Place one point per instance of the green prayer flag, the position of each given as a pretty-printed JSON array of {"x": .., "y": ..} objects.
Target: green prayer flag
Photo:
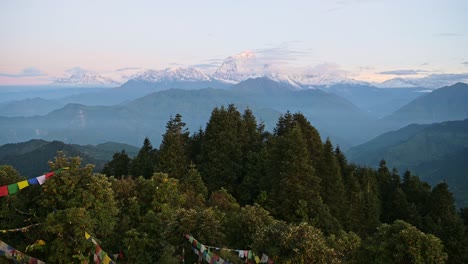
[{"x": 13, "y": 188}]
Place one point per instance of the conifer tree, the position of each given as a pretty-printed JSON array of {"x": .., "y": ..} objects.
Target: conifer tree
[
  {"x": 143, "y": 163},
  {"x": 118, "y": 166},
  {"x": 222, "y": 156},
  {"x": 332, "y": 187},
  {"x": 173, "y": 156}
]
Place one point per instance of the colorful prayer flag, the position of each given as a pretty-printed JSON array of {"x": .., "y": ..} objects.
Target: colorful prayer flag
[
  {"x": 23, "y": 184},
  {"x": 49, "y": 174},
  {"x": 13, "y": 188},
  {"x": 41, "y": 179},
  {"x": 33, "y": 181},
  {"x": 3, "y": 191}
]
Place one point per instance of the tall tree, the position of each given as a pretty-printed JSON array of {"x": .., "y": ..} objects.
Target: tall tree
[
  {"x": 295, "y": 188},
  {"x": 222, "y": 154},
  {"x": 75, "y": 201},
  {"x": 143, "y": 163},
  {"x": 443, "y": 221},
  {"x": 118, "y": 166},
  {"x": 173, "y": 156},
  {"x": 332, "y": 187}
]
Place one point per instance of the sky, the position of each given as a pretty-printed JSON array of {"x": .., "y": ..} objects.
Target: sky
[{"x": 370, "y": 40}]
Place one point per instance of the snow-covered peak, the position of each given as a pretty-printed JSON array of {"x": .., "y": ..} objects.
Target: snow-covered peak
[
  {"x": 397, "y": 83},
  {"x": 172, "y": 74},
  {"x": 86, "y": 78},
  {"x": 432, "y": 81},
  {"x": 240, "y": 67}
]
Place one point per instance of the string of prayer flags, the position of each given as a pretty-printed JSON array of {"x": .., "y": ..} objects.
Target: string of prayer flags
[
  {"x": 22, "y": 229},
  {"x": 17, "y": 256},
  {"x": 100, "y": 256},
  {"x": 16, "y": 187},
  {"x": 203, "y": 251}
]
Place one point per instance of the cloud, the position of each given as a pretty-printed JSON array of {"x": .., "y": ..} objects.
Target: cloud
[
  {"x": 447, "y": 34},
  {"x": 27, "y": 72},
  {"x": 280, "y": 54},
  {"x": 465, "y": 63},
  {"x": 128, "y": 68},
  {"x": 402, "y": 72},
  {"x": 76, "y": 70}
]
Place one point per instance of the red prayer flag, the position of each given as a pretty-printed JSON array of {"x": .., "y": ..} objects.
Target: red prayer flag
[
  {"x": 50, "y": 174},
  {"x": 4, "y": 190}
]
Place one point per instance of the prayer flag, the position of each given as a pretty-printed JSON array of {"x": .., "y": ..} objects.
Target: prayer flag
[
  {"x": 87, "y": 236},
  {"x": 3, "y": 191},
  {"x": 33, "y": 181},
  {"x": 41, "y": 179},
  {"x": 264, "y": 258},
  {"x": 106, "y": 260},
  {"x": 23, "y": 184},
  {"x": 50, "y": 174},
  {"x": 13, "y": 188},
  {"x": 257, "y": 259}
]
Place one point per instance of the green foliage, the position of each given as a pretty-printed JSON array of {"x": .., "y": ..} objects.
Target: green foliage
[
  {"x": 172, "y": 156},
  {"x": 118, "y": 166},
  {"x": 143, "y": 163},
  {"x": 312, "y": 205},
  {"x": 401, "y": 242}
]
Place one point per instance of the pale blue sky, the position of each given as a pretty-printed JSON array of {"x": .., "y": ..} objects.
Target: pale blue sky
[{"x": 42, "y": 39}]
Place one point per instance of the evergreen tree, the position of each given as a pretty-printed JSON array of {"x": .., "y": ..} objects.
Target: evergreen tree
[
  {"x": 222, "y": 153},
  {"x": 370, "y": 214},
  {"x": 173, "y": 156},
  {"x": 443, "y": 221},
  {"x": 118, "y": 166},
  {"x": 143, "y": 163},
  {"x": 332, "y": 187},
  {"x": 295, "y": 193}
]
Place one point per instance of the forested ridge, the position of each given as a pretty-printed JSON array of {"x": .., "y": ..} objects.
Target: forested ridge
[{"x": 286, "y": 194}]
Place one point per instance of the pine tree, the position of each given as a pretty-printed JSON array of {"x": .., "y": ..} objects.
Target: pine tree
[
  {"x": 295, "y": 193},
  {"x": 332, "y": 187},
  {"x": 118, "y": 166},
  {"x": 222, "y": 156},
  {"x": 443, "y": 221},
  {"x": 173, "y": 156},
  {"x": 143, "y": 163}
]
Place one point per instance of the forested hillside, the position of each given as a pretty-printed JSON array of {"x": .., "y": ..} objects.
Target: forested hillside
[{"x": 233, "y": 192}]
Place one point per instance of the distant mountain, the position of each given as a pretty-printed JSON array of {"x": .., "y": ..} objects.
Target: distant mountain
[
  {"x": 433, "y": 151},
  {"x": 444, "y": 104},
  {"x": 30, "y": 158},
  {"x": 85, "y": 78},
  {"x": 29, "y": 107},
  {"x": 432, "y": 81},
  {"x": 147, "y": 116},
  {"x": 377, "y": 102}
]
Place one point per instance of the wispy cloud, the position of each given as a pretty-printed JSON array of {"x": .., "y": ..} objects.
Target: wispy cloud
[
  {"x": 465, "y": 63},
  {"x": 128, "y": 68},
  {"x": 402, "y": 72},
  {"x": 447, "y": 34},
  {"x": 76, "y": 70},
  {"x": 27, "y": 72}
]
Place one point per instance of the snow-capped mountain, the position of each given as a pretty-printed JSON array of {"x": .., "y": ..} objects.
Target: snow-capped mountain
[
  {"x": 86, "y": 78},
  {"x": 432, "y": 81},
  {"x": 172, "y": 74},
  {"x": 240, "y": 67}
]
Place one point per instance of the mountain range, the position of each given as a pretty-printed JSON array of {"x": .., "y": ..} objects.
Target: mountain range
[
  {"x": 243, "y": 66},
  {"x": 107, "y": 116},
  {"x": 30, "y": 158},
  {"x": 436, "y": 152}
]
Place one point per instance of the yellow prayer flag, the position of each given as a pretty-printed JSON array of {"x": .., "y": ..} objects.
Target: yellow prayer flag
[
  {"x": 23, "y": 184},
  {"x": 87, "y": 236},
  {"x": 106, "y": 260},
  {"x": 257, "y": 259}
]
